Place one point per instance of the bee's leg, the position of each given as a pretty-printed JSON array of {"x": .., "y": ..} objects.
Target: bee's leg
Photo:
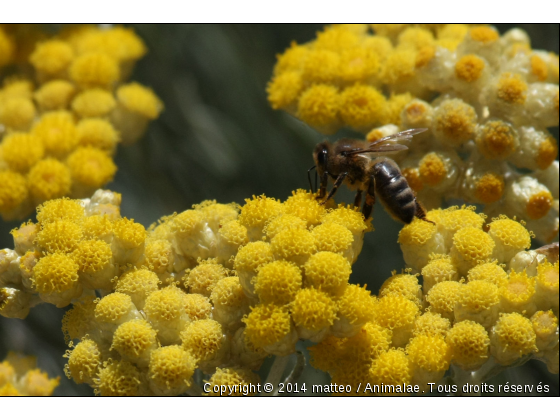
[
  {"x": 421, "y": 212},
  {"x": 337, "y": 183},
  {"x": 358, "y": 199},
  {"x": 370, "y": 198},
  {"x": 323, "y": 185},
  {"x": 309, "y": 178}
]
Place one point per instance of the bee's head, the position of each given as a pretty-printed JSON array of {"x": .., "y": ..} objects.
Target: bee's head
[{"x": 321, "y": 156}]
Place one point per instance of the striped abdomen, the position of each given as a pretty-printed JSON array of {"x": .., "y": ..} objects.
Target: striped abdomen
[{"x": 393, "y": 190}]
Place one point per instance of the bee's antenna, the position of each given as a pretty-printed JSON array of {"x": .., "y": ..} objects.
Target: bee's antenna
[{"x": 309, "y": 178}]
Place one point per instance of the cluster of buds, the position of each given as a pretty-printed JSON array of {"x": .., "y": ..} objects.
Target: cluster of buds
[
  {"x": 20, "y": 377},
  {"x": 59, "y": 129},
  {"x": 495, "y": 98},
  {"x": 485, "y": 303},
  {"x": 210, "y": 291}
]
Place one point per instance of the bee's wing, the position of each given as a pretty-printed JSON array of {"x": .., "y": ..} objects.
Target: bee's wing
[{"x": 389, "y": 144}]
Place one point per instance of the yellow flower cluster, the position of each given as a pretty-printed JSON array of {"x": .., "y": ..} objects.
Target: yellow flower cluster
[
  {"x": 495, "y": 99},
  {"x": 19, "y": 376},
  {"x": 59, "y": 131},
  {"x": 218, "y": 286}
]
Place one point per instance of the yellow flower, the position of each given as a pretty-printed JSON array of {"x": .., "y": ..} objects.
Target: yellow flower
[
  {"x": 328, "y": 272},
  {"x": 278, "y": 282},
  {"x": 94, "y": 70},
  {"x": 58, "y": 133},
  {"x": 93, "y": 103},
  {"x": 469, "y": 344},
  {"x": 318, "y": 106},
  {"x": 512, "y": 337},
  {"x": 171, "y": 370},
  {"x": 237, "y": 381},
  {"x": 84, "y": 362},
  {"x": 312, "y": 311},
  {"x": 361, "y": 106},
  {"x": 49, "y": 179},
  {"x": 52, "y": 58},
  {"x": 55, "y": 95},
  {"x": 118, "y": 379}
]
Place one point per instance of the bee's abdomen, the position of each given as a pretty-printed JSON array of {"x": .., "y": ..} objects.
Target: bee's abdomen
[{"x": 393, "y": 190}]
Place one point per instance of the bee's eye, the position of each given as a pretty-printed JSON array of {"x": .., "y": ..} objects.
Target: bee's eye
[{"x": 322, "y": 157}]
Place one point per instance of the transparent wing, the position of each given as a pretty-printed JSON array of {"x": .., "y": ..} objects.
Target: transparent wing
[{"x": 389, "y": 144}]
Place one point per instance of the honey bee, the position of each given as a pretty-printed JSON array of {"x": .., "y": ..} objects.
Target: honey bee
[{"x": 357, "y": 164}]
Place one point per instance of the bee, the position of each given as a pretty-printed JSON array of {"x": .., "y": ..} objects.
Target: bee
[{"x": 358, "y": 164}]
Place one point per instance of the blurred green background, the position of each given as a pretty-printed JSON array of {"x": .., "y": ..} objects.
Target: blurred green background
[{"x": 219, "y": 139}]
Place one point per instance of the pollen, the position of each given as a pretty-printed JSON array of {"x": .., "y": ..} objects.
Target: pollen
[
  {"x": 253, "y": 255},
  {"x": 134, "y": 338},
  {"x": 60, "y": 209},
  {"x": 516, "y": 295},
  {"x": 283, "y": 222},
  {"x": 113, "y": 307},
  {"x": 92, "y": 256},
  {"x": 348, "y": 217},
  {"x": 469, "y": 344},
  {"x": 484, "y": 34},
  {"x": 295, "y": 245},
  {"x": 440, "y": 268},
  {"x": 405, "y": 285},
  {"x": 455, "y": 121},
  {"x": 469, "y": 68},
  {"x": 432, "y": 169},
  {"x": 58, "y": 133},
  {"x": 321, "y": 66},
  {"x": 356, "y": 305},
  {"x": 431, "y": 323},
  {"x": 412, "y": 176},
  {"x": 84, "y": 362},
  {"x": 513, "y": 334},
  {"x": 489, "y": 272},
  {"x": 429, "y": 352},
  {"x": 313, "y": 309},
  {"x": 548, "y": 150},
  {"x": 172, "y": 368},
  {"x": 130, "y": 234},
  {"x": 539, "y": 68},
  {"x": 497, "y": 140},
  {"x": 394, "y": 311},
  {"x": 328, "y": 272},
  {"x": 61, "y": 236},
  {"x": 425, "y": 55},
  {"x": 319, "y": 105},
  {"x": 118, "y": 379},
  {"x": 358, "y": 64},
  {"x": 91, "y": 167},
  {"x": 489, "y": 188},
  {"x": 512, "y": 89},
  {"x": 203, "y": 278},
  {"x": 473, "y": 244},
  {"x": 539, "y": 204},
  {"x": 476, "y": 296},
  {"x": 17, "y": 113},
  {"x": 399, "y": 66},
  {"x": 97, "y": 133},
  {"x": 391, "y": 112},
  {"x": 510, "y": 234},
  {"x": 21, "y": 151},
  {"x": 140, "y": 100},
  {"x": 361, "y": 106},
  {"x": 138, "y": 284},
  {"x": 52, "y": 57},
  {"x": 55, "y": 273},
  {"x": 94, "y": 70},
  {"x": 55, "y": 95},
  {"x": 257, "y": 212},
  {"x": 166, "y": 304},
  {"x": 292, "y": 59},
  {"x": 332, "y": 237},
  {"x": 284, "y": 89},
  {"x": 304, "y": 205},
  {"x": 392, "y": 368},
  {"x": 233, "y": 377},
  {"x": 93, "y": 103},
  {"x": 278, "y": 282},
  {"x": 97, "y": 227},
  {"x": 203, "y": 339},
  {"x": 442, "y": 298},
  {"x": 234, "y": 233},
  {"x": 267, "y": 324},
  {"x": 199, "y": 307},
  {"x": 417, "y": 233}
]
